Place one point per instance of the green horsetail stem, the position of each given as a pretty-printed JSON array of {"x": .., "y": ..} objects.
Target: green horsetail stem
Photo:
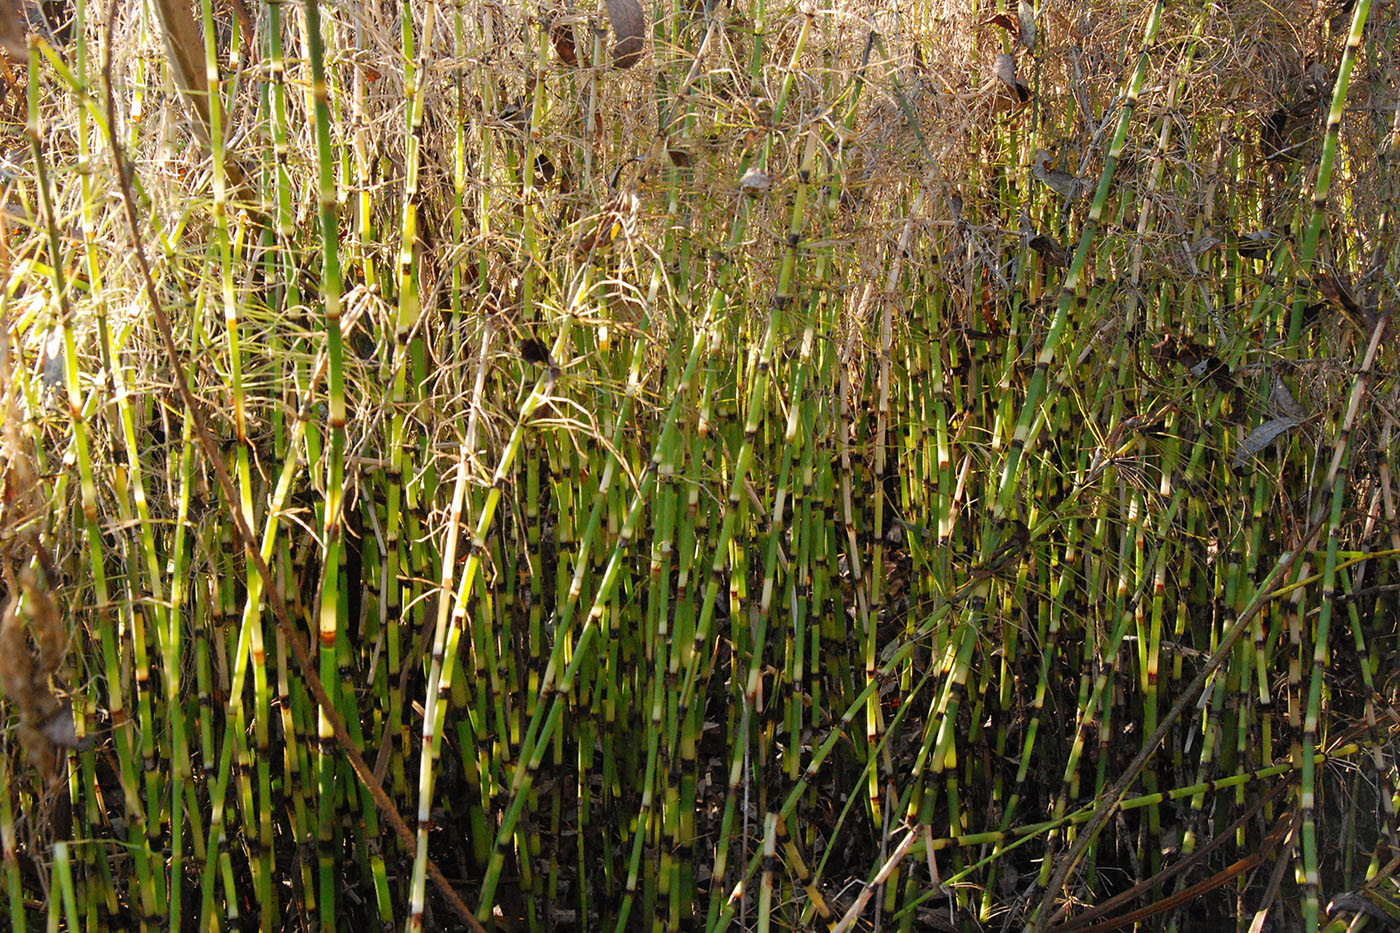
[
  {"x": 440, "y": 637},
  {"x": 1335, "y": 483},
  {"x": 1325, "y": 166},
  {"x": 154, "y": 600},
  {"x": 257, "y": 757},
  {"x": 400, "y": 447},
  {"x": 123, "y": 725},
  {"x": 332, "y": 526}
]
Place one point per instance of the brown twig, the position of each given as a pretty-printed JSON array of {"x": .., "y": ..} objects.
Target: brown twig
[
  {"x": 1219, "y": 879},
  {"x": 1094, "y": 918}
]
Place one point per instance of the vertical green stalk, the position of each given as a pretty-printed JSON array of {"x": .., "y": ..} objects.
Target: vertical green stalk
[
  {"x": 123, "y": 726},
  {"x": 334, "y": 476},
  {"x": 1337, "y": 475},
  {"x": 1322, "y": 187}
]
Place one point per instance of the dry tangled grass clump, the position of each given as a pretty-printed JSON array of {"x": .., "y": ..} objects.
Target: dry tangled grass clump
[{"x": 931, "y": 112}]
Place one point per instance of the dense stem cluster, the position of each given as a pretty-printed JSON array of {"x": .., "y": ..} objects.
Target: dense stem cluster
[{"x": 464, "y": 472}]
